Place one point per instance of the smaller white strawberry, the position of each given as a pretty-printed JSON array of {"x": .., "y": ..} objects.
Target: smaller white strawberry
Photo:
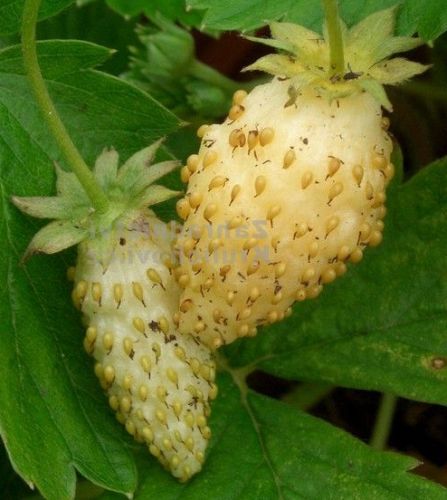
[{"x": 159, "y": 382}]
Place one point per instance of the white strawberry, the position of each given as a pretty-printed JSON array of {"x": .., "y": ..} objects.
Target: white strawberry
[
  {"x": 158, "y": 381},
  {"x": 292, "y": 185}
]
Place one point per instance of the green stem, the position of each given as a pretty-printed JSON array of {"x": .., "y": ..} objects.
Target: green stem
[
  {"x": 384, "y": 419},
  {"x": 308, "y": 394},
  {"x": 49, "y": 112},
  {"x": 335, "y": 37},
  {"x": 213, "y": 77}
]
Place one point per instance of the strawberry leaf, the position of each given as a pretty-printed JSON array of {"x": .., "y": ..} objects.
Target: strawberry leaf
[
  {"x": 53, "y": 417},
  {"x": 262, "y": 448},
  {"x": 11, "y": 13},
  {"x": 428, "y": 18},
  {"x": 382, "y": 326}
]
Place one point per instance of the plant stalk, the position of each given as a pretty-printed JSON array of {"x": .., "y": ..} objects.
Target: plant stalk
[
  {"x": 384, "y": 419},
  {"x": 337, "y": 56},
  {"x": 49, "y": 112}
]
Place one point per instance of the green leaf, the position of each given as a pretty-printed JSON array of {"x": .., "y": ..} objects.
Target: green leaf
[
  {"x": 11, "y": 13},
  {"x": 382, "y": 326},
  {"x": 262, "y": 448},
  {"x": 428, "y": 18},
  {"x": 175, "y": 10},
  {"x": 53, "y": 417}
]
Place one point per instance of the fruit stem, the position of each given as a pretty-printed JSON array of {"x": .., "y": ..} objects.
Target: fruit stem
[
  {"x": 49, "y": 112},
  {"x": 384, "y": 419},
  {"x": 213, "y": 77},
  {"x": 308, "y": 394},
  {"x": 337, "y": 56}
]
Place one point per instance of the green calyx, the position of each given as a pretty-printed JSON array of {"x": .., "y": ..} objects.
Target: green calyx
[
  {"x": 129, "y": 189},
  {"x": 368, "y": 46}
]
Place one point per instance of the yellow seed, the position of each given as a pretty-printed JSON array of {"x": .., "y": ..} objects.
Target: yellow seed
[
  {"x": 334, "y": 165},
  {"x": 145, "y": 363},
  {"x": 178, "y": 408},
  {"x": 288, "y": 312},
  {"x": 253, "y": 267},
  {"x": 239, "y": 96},
  {"x": 332, "y": 223},
  {"x": 328, "y": 275},
  {"x": 154, "y": 450},
  {"x": 109, "y": 374},
  {"x": 217, "y": 182},
  {"x": 272, "y": 316},
  {"x": 199, "y": 326},
  {"x": 277, "y": 298},
  {"x": 96, "y": 292},
  {"x": 147, "y": 433},
  {"x": 254, "y": 293},
  {"x": 99, "y": 370},
  {"x": 375, "y": 239},
  {"x": 125, "y": 404},
  {"x": 118, "y": 293},
  {"x": 357, "y": 173},
  {"x": 195, "y": 199},
  {"x": 183, "y": 280},
  {"x": 89, "y": 347},
  {"x": 161, "y": 393},
  {"x": 186, "y": 305},
  {"x": 192, "y": 162},
  {"x": 389, "y": 171},
  {"x": 380, "y": 225},
  {"x": 335, "y": 190},
  {"x": 313, "y": 291},
  {"x": 201, "y": 131},
  {"x": 212, "y": 394},
  {"x": 138, "y": 323},
  {"x": 230, "y": 298},
  {"x": 356, "y": 255},
  {"x": 233, "y": 138},
  {"x": 243, "y": 330},
  {"x": 379, "y": 199},
  {"x": 128, "y": 345},
  {"x": 343, "y": 253},
  {"x": 185, "y": 174},
  {"x": 153, "y": 275},
  {"x": 235, "y": 191},
  {"x": 137, "y": 290},
  {"x": 289, "y": 158},
  {"x": 189, "y": 420},
  {"x": 245, "y": 313},
  {"x": 385, "y": 123},
  {"x": 266, "y": 136},
  {"x": 308, "y": 274},
  {"x": 235, "y": 222},
  {"x": 300, "y": 295},
  {"x": 275, "y": 241},
  {"x": 114, "y": 402},
  {"x": 381, "y": 212},
  {"x": 273, "y": 212},
  {"x": 172, "y": 375},
  {"x": 91, "y": 334},
  {"x": 209, "y": 211},
  {"x": 260, "y": 183},
  {"x": 249, "y": 244},
  {"x": 189, "y": 443},
  {"x": 81, "y": 289},
  {"x": 163, "y": 324},
  {"x": 200, "y": 457},
  {"x": 364, "y": 231},
  {"x": 313, "y": 249},
  {"x": 280, "y": 269},
  {"x": 369, "y": 191},
  {"x": 161, "y": 416},
  {"x": 71, "y": 272},
  {"x": 306, "y": 179},
  {"x": 143, "y": 392},
  {"x": 379, "y": 161},
  {"x": 252, "y": 140},
  {"x": 183, "y": 208},
  {"x": 224, "y": 270},
  {"x": 107, "y": 341},
  {"x": 340, "y": 268},
  {"x": 235, "y": 112},
  {"x": 300, "y": 229},
  {"x": 209, "y": 158},
  {"x": 127, "y": 382},
  {"x": 180, "y": 353}
]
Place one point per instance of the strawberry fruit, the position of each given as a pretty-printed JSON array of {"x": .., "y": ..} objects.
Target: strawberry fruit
[{"x": 292, "y": 185}]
